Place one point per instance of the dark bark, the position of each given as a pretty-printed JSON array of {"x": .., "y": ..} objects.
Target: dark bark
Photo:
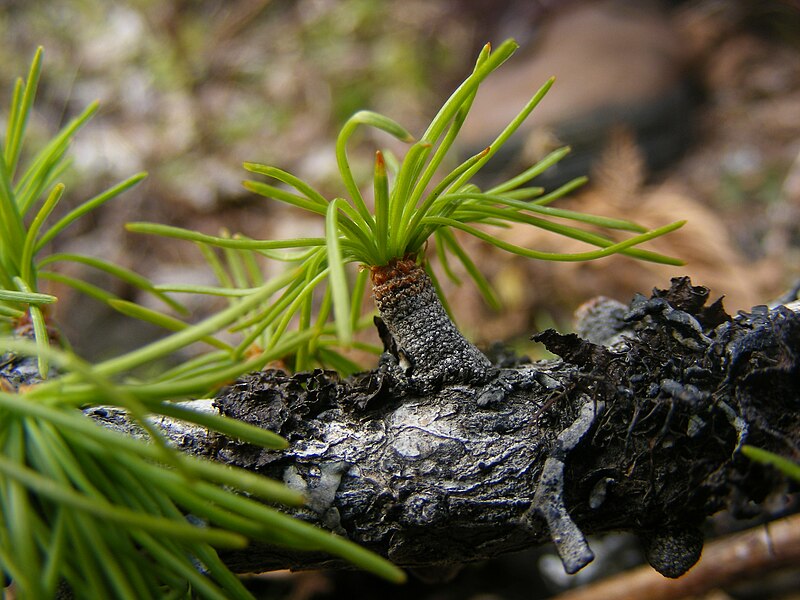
[
  {"x": 641, "y": 435},
  {"x": 414, "y": 325}
]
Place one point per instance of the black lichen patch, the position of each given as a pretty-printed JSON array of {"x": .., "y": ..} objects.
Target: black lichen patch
[
  {"x": 662, "y": 389},
  {"x": 276, "y": 401},
  {"x": 673, "y": 551},
  {"x": 280, "y": 402},
  {"x": 684, "y": 296},
  {"x": 575, "y": 350}
]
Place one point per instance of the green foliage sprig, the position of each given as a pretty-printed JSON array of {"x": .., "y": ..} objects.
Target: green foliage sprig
[
  {"x": 34, "y": 190},
  {"x": 99, "y": 510},
  {"x": 784, "y": 465},
  {"x": 409, "y": 208}
]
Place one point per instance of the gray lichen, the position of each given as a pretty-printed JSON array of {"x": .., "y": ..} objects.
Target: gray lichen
[{"x": 548, "y": 501}]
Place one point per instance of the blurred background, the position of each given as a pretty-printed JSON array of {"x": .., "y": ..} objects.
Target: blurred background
[{"x": 676, "y": 110}]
